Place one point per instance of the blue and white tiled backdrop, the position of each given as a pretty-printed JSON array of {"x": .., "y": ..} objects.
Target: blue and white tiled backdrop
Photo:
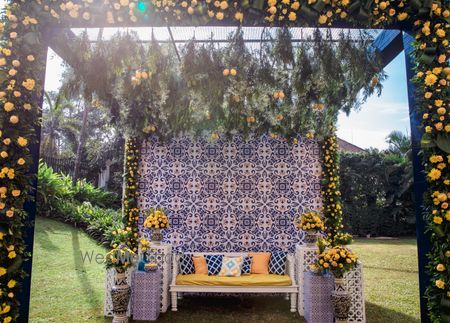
[{"x": 230, "y": 195}]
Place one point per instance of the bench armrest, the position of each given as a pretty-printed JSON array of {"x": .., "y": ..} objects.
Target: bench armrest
[
  {"x": 290, "y": 268},
  {"x": 175, "y": 266}
]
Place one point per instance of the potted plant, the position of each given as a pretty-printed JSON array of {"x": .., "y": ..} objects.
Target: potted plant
[
  {"x": 338, "y": 260},
  {"x": 311, "y": 223},
  {"x": 120, "y": 257},
  {"x": 156, "y": 220}
]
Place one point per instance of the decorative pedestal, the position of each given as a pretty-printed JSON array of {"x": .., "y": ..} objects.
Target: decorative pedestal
[
  {"x": 162, "y": 255},
  {"x": 305, "y": 256},
  {"x": 317, "y": 298},
  {"x": 109, "y": 283},
  {"x": 146, "y": 297}
]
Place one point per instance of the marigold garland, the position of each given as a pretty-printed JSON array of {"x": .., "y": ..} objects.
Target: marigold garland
[
  {"x": 130, "y": 203},
  {"x": 21, "y": 61},
  {"x": 332, "y": 206}
]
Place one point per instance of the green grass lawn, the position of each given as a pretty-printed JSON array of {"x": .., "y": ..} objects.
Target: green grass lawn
[{"x": 66, "y": 289}]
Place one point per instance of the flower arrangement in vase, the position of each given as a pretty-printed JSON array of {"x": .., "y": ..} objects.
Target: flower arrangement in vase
[
  {"x": 120, "y": 257},
  {"x": 338, "y": 260},
  {"x": 311, "y": 222},
  {"x": 156, "y": 220}
]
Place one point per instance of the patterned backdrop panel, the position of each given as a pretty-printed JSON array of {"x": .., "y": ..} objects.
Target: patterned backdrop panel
[{"x": 230, "y": 195}]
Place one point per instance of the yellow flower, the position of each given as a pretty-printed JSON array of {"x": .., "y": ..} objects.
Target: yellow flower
[
  {"x": 14, "y": 119},
  {"x": 322, "y": 19},
  {"x": 440, "y": 32},
  {"x": 29, "y": 84},
  {"x": 440, "y": 267},
  {"x": 15, "y": 193},
  {"x": 440, "y": 284},
  {"x": 292, "y": 16},
  {"x": 430, "y": 79},
  {"x": 295, "y": 5},
  {"x": 21, "y": 161},
  {"x": 30, "y": 58},
  {"x": 233, "y": 72},
  {"x": 438, "y": 103},
  {"x": 22, "y": 141},
  {"x": 437, "y": 219},
  {"x": 12, "y": 255},
  {"x": 239, "y": 16},
  {"x": 2, "y": 271},
  {"x": 434, "y": 174},
  {"x": 219, "y": 16},
  {"x": 402, "y": 16},
  {"x": 4, "y": 154},
  {"x": 7, "y": 319},
  {"x": 8, "y": 106}
]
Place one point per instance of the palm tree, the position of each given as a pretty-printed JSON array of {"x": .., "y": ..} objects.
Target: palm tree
[{"x": 399, "y": 144}]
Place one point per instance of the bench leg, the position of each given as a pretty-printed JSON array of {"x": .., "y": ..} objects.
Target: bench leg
[
  {"x": 293, "y": 302},
  {"x": 174, "y": 301}
]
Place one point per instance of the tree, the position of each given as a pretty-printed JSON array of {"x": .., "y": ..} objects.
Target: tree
[{"x": 399, "y": 143}]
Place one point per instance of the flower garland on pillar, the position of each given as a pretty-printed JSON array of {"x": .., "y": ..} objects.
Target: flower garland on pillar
[
  {"x": 130, "y": 205},
  {"x": 332, "y": 207},
  {"x": 432, "y": 83}
]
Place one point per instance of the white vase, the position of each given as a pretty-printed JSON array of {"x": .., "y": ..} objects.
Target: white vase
[
  {"x": 311, "y": 238},
  {"x": 341, "y": 300},
  {"x": 120, "y": 295}
]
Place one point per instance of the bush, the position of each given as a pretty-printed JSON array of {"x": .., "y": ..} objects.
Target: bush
[
  {"x": 82, "y": 205},
  {"x": 377, "y": 194}
]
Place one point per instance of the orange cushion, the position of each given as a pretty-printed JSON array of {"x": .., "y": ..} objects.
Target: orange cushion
[
  {"x": 260, "y": 262},
  {"x": 200, "y": 265}
]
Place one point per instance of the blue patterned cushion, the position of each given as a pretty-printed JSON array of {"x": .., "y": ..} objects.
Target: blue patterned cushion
[
  {"x": 247, "y": 264},
  {"x": 214, "y": 263},
  {"x": 277, "y": 264},
  {"x": 186, "y": 265}
]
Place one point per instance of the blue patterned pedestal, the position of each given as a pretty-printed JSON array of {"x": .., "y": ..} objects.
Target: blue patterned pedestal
[
  {"x": 146, "y": 295},
  {"x": 317, "y": 298}
]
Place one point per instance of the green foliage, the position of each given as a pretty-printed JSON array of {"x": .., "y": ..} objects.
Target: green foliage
[
  {"x": 82, "y": 205},
  {"x": 377, "y": 194},
  {"x": 276, "y": 89}
]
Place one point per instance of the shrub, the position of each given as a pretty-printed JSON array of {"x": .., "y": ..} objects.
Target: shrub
[
  {"x": 377, "y": 194},
  {"x": 81, "y": 205}
]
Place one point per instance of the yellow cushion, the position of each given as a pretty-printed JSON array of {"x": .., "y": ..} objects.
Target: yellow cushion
[
  {"x": 260, "y": 262},
  {"x": 245, "y": 280},
  {"x": 200, "y": 265}
]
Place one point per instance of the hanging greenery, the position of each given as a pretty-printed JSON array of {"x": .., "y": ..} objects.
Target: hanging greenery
[{"x": 222, "y": 90}]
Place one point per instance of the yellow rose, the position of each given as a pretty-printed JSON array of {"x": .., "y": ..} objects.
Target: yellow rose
[
  {"x": 440, "y": 267},
  {"x": 437, "y": 219},
  {"x": 8, "y": 106},
  {"x": 219, "y": 16},
  {"x": 440, "y": 284},
  {"x": 233, "y": 72},
  {"x": 292, "y": 16},
  {"x": 2, "y": 271},
  {"x": 30, "y": 58},
  {"x": 4, "y": 154},
  {"x": 14, "y": 119},
  {"x": 21, "y": 161}
]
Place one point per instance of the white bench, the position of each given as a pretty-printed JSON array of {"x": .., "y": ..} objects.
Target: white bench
[{"x": 291, "y": 291}]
